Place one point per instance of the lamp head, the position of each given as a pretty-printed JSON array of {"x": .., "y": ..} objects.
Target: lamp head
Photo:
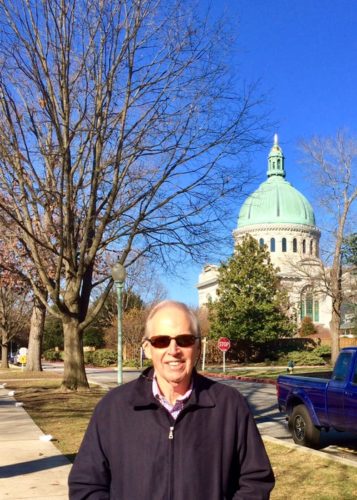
[{"x": 118, "y": 272}]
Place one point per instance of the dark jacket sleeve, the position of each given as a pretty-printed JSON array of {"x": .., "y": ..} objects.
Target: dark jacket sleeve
[
  {"x": 90, "y": 475},
  {"x": 256, "y": 478}
]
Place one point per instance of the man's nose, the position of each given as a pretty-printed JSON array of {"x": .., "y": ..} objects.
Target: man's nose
[{"x": 173, "y": 347}]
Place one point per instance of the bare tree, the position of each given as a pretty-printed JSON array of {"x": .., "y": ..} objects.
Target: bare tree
[
  {"x": 143, "y": 279},
  {"x": 133, "y": 329},
  {"x": 14, "y": 313},
  {"x": 14, "y": 262},
  {"x": 118, "y": 123},
  {"x": 333, "y": 170}
]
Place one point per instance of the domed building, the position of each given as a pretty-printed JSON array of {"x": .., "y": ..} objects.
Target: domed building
[{"x": 280, "y": 217}]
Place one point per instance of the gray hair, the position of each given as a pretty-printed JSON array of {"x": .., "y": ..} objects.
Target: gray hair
[{"x": 194, "y": 324}]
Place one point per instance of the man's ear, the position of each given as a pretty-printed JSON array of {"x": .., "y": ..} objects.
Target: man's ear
[
  {"x": 147, "y": 349},
  {"x": 199, "y": 352}
]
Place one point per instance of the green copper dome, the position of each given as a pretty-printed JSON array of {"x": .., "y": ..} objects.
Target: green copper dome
[{"x": 276, "y": 200}]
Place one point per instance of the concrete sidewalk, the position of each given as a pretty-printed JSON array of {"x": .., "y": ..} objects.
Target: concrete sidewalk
[{"x": 29, "y": 467}]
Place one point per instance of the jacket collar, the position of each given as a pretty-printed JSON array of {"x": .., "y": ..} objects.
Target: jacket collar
[{"x": 142, "y": 396}]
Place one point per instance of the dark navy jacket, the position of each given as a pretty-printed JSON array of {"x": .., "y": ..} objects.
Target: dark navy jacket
[{"x": 134, "y": 450}]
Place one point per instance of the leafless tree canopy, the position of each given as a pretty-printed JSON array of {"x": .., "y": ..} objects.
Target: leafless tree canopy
[
  {"x": 332, "y": 165},
  {"x": 117, "y": 121},
  {"x": 15, "y": 308}
]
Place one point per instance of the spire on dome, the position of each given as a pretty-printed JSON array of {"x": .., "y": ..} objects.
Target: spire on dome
[{"x": 276, "y": 160}]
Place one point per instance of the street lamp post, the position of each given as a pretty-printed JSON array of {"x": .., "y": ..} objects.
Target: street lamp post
[{"x": 118, "y": 275}]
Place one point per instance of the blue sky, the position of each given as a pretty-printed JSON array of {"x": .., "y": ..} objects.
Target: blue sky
[{"x": 305, "y": 54}]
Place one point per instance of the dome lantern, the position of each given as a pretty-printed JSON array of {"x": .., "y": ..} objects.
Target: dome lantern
[{"x": 276, "y": 160}]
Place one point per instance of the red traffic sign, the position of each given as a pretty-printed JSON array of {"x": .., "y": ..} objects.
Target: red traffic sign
[{"x": 224, "y": 344}]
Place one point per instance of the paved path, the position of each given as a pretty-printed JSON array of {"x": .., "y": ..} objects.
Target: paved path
[{"x": 29, "y": 467}]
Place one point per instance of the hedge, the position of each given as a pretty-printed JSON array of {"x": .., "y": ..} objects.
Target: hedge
[
  {"x": 52, "y": 355},
  {"x": 303, "y": 358},
  {"x": 104, "y": 357}
]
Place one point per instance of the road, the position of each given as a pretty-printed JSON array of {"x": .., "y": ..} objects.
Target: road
[
  {"x": 105, "y": 376},
  {"x": 262, "y": 402}
]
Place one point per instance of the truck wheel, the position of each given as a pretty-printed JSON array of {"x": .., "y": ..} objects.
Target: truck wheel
[{"x": 302, "y": 429}]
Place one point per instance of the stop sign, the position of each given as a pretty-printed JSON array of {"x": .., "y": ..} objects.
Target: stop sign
[{"x": 224, "y": 344}]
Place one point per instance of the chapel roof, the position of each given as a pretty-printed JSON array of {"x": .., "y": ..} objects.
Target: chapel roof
[{"x": 276, "y": 200}]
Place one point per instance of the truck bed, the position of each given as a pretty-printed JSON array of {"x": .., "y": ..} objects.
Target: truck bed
[
  {"x": 308, "y": 390},
  {"x": 324, "y": 375}
]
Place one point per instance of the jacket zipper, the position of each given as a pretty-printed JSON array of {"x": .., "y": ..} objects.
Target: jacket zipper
[{"x": 171, "y": 461}]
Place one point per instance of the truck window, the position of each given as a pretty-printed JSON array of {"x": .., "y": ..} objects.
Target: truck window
[
  {"x": 341, "y": 370},
  {"x": 354, "y": 379}
]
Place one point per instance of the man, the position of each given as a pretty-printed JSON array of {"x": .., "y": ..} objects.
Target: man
[{"x": 172, "y": 433}]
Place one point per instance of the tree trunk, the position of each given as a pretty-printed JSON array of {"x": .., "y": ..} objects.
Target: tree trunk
[
  {"x": 336, "y": 288},
  {"x": 335, "y": 335},
  {"x": 336, "y": 315},
  {"x": 74, "y": 377},
  {"x": 4, "y": 351},
  {"x": 36, "y": 335}
]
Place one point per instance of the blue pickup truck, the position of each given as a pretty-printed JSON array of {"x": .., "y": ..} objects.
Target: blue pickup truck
[{"x": 313, "y": 404}]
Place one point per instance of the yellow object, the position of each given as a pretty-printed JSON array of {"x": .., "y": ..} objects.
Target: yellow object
[{"x": 22, "y": 359}]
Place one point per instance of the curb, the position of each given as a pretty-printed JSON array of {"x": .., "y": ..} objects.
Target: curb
[
  {"x": 304, "y": 449},
  {"x": 240, "y": 377}
]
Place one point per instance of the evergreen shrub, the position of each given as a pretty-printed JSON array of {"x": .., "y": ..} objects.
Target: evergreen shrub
[
  {"x": 303, "y": 358},
  {"x": 52, "y": 355},
  {"x": 104, "y": 357},
  {"x": 134, "y": 363},
  {"x": 93, "y": 337},
  {"x": 88, "y": 358},
  {"x": 323, "y": 350},
  {"x": 53, "y": 334}
]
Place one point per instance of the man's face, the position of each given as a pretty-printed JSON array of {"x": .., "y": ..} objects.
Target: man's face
[{"x": 174, "y": 364}]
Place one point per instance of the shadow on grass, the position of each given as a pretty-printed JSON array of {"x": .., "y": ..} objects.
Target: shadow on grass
[{"x": 31, "y": 466}]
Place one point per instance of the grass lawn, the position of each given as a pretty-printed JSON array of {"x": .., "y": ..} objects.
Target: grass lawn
[
  {"x": 302, "y": 475},
  {"x": 299, "y": 474}
]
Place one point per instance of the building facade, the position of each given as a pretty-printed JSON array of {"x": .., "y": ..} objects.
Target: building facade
[{"x": 279, "y": 216}]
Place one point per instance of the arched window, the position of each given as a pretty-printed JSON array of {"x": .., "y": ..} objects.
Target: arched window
[
  {"x": 311, "y": 246},
  {"x": 294, "y": 245},
  {"x": 261, "y": 242},
  {"x": 309, "y": 305},
  {"x": 303, "y": 246},
  {"x": 316, "y": 310},
  {"x": 283, "y": 245},
  {"x": 272, "y": 244}
]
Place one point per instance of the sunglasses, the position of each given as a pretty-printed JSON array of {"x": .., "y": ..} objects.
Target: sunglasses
[{"x": 162, "y": 341}]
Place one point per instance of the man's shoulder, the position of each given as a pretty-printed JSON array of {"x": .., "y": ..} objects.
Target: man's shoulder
[{"x": 125, "y": 393}]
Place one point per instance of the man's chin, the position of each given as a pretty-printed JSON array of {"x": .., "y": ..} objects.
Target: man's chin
[{"x": 179, "y": 380}]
